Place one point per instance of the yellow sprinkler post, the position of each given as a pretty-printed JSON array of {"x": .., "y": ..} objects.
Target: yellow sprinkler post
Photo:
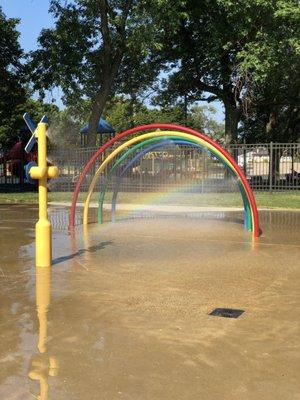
[{"x": 43, "y": 230}]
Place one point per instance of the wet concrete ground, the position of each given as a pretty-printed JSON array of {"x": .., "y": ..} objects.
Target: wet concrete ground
[{"x": 124, "y": 313}]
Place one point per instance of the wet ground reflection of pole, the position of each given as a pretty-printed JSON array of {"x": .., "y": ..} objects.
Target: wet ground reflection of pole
[{"x": 43, "y": 364}]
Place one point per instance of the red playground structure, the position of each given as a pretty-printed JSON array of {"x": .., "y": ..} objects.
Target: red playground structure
[{"x": 13, "y": 166}]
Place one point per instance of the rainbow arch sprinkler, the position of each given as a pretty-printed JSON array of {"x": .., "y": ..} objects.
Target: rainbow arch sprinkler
[{"x": 161, "y": 132}]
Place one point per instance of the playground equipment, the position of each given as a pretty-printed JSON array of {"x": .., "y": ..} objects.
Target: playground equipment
[
  {"x": 104, "y": 128},
  {"x": 161, "y": 133},
  {"x": 14, "y": 164},
  {"x": 42, "y": 172}
]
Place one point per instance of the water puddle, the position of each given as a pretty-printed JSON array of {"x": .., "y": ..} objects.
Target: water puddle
[{"x": 123, "y": 313}]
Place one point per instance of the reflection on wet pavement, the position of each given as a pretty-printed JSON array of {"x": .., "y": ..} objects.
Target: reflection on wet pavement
[
  {"x": 124, "y": 312},
  {"x": 42, "y": 364}
]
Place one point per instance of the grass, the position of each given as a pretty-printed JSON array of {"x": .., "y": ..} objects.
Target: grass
[{"x": 289, "y": 200}]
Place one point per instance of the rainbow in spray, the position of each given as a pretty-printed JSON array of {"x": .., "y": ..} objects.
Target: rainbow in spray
[{"x": 174, "y": 195}]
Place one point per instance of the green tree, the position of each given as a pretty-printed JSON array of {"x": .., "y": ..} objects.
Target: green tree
[
  {"x": 274, "y": 115},
  {"x": 202, "y": 118},
  {"x": 122, "y": 114},
  {"x": 12, "y": 92},
  {"x": 226, "y": 50},
  {"x": 274, "y": 109},
  {"x": 36, "y": 109},
  {"x": 96, "y": 48},
  {"x": 119, "y": 114},
  {"x": 274, "y": 105}
]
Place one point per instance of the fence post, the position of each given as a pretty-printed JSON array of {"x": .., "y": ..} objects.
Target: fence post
[
  {"x": 245, "y": 157},
  {"x": 22, "y": 163},
  {"x": 5, "y": 170},
  {"x": 271, "y": 168}
]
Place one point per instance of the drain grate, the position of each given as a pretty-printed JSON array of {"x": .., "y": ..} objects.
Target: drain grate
[{"x": 226, "y": 312}]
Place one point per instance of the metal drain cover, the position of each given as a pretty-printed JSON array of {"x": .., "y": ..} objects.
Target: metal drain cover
[{"x": 226, "y": 312}]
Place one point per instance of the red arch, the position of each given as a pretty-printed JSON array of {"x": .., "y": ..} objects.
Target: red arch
[{"x": 256, "y": 230}]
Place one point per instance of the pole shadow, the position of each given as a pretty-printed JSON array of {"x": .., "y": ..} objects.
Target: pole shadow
[{"x": 91, "y": 249}]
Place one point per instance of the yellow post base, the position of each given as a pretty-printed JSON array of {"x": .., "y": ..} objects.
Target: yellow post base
[{"x": 43, "y": 250}]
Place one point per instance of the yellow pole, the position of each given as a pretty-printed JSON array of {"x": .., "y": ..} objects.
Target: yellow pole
[{"x": 43, "y": 231}]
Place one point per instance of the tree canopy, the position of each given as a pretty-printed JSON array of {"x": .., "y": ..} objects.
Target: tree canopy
[
  {"x": 119, "y": 114},
  {"x": 231, "y": 51},
  {"x": 12, "y": 91},
  {"x": 115, "y": 58},
  {"x": 96, "y": 48}
]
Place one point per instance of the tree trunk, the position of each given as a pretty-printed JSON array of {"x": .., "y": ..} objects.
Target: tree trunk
[
  {"x": 131, "y": 109},
  {"x": 274, "y": 165},
  {"x": 232, "y": 116},
  {"x": 96, "y": 112},
  {"x": 275, "y": 153},
  {"x": 101, "y": 99}
]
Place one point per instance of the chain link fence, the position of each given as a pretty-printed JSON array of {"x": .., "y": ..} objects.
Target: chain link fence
[{"x": 267, "y": 166}]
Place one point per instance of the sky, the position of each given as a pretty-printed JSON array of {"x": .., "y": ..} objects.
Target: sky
[{"x": 34, "y": 16}]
